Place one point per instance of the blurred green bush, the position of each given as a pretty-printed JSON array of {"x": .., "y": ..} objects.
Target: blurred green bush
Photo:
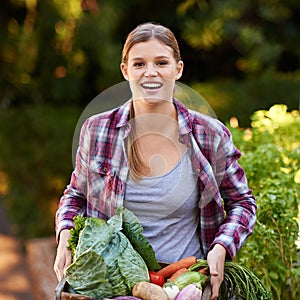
[
  {"x": 271, "y": 158},
  {"x": 65, "y": 52},
  {"x": 242, "y": 98},
  {"x": 35, "y": 164}
]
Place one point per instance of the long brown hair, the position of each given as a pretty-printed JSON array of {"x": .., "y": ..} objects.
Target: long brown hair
[
  {"x": 143, "y": 33},
  {"x": 147, "y": 31}
]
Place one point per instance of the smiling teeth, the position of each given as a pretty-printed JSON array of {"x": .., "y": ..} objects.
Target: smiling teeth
[{"x": 151, "y": 85}]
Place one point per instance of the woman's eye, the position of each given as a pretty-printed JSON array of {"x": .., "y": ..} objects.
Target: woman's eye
[
  {"x": 162, "y": 63},
  {"x": 138, "y": 64}
]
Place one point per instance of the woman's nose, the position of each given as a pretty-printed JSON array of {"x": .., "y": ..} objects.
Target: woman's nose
[{"x": 151, "y": 72}]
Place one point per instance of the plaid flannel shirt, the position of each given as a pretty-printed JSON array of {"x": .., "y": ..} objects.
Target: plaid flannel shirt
[{"x": 98, "y": 182}]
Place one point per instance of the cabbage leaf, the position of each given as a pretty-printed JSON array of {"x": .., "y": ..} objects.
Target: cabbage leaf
[
  {"x": 133, "y": 229},
  {"x": 105, "y": 263}
]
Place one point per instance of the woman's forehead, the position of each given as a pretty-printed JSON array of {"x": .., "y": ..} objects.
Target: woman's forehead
[{"x": 150, "y": 47}]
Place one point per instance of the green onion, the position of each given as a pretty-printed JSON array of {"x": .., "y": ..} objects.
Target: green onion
[{"x": 239, "y": 282}]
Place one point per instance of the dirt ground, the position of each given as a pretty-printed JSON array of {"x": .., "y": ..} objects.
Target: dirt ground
[{"x": 26, "y": 271}]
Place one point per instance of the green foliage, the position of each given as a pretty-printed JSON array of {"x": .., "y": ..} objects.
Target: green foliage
[
  {"x": 36, "y": 162},
  {"x": 79, "y": 223},
  {"x": 59, "y": 52},
  {"x": 271, "y": 158},
  {"x": 241, "y": 98},
  {"x": 258, "y": 32},
  {"x": 69, "y": 51}
]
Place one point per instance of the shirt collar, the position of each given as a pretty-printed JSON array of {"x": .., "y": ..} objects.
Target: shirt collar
[
  {"x": 185, "y": 121},
  {"x": 123, "y": 114},
  {"x": 184, "y": 117}
]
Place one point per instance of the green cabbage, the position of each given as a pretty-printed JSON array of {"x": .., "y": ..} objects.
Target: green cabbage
[
  {"x": 110, "y": 257},
  {"x": 133, "y": 229}
]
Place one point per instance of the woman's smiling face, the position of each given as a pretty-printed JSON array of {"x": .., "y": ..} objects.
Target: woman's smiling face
[{"x": 151, "y": 70}]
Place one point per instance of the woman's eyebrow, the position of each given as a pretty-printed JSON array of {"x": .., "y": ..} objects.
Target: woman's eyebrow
[
  {"x": 156, "y": 57},
  {"x": 162, "y": 57},
  {"x": 137, "y": 58}
]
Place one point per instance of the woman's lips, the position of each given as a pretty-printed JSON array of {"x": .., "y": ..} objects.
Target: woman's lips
[{"x": 151, "y": 85}]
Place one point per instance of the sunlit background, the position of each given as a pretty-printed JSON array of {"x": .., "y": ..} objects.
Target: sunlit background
[{"x": 243, "y": 57}]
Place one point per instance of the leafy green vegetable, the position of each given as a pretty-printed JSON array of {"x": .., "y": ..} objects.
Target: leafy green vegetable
[
  {"x": 197, "y": 278},
  {"x": 132, "y": 265},
  {"x": 134, "y": 232},
  {"x": 111, "y": 255},
  {"x": 95, "y": 235},
  {"x": 89, "y": 265},
  {"x": 105, "y": 264},
  {"x": 79, "y": 223},
  {"x": 129, "y": 224}
]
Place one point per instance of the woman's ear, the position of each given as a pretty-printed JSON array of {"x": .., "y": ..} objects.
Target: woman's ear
[
  {"x": 123, "y": 68},
  {"x": 179, "y": 69}
]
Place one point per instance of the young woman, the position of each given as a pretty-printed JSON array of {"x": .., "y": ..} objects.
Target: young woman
[{"x": 176, "y": 169}]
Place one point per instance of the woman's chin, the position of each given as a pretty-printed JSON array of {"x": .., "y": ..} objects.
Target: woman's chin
[
  {"x": 152, "y": 100},
  {"x": 153, "y": 96}
]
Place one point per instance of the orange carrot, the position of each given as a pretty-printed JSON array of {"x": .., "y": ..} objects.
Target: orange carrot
[
  {"x": 175, "y": 266},
  {"x": 204, "y": 271},
  {"x": 178, "y": 273}
]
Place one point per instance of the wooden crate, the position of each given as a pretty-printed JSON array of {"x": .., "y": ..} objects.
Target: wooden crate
[{"x": 62, "y": 294}]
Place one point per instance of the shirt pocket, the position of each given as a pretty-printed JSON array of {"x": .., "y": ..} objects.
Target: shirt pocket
[
  {"x": 101, "y": 178},
  {"x": 102, "y": 169}
]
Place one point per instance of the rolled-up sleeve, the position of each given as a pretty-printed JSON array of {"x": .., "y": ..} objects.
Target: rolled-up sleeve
[
  {"x": 73, "y": 201},
  {"x": 239, "y": 202}
]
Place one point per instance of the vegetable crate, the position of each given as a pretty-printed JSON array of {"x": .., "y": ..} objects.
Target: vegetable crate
[{"x": 62, "y": 294}]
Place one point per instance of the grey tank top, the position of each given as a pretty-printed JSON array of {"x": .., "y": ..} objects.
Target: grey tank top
[{"x": 168, "y": 209}]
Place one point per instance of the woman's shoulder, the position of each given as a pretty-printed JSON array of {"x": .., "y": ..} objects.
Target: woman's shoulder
[
  {"x": 201, "y": 119},
  {"x": 112, "y": 118},
  {"x": 210, "y": 125},
  {"x": 202, "y": 122}
]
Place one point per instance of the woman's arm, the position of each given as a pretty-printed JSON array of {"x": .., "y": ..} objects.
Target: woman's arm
[
  {"x": 216, "y": 261},
  {"x": 239, "y": 202},
  {"x": 74, "y": 201},
  {"x": 63, "y": 255}
]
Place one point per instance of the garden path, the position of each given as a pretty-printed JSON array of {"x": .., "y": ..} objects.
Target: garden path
[
  {"x": 14, "y": 276},
  {"x": 26, "y": 271}
]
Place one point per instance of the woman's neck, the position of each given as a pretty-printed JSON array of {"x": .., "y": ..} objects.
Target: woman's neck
[
  {"x": 155, "y": 118},
  {"x": 162, "y": 107},
  {"x": 155, "y": 137}
]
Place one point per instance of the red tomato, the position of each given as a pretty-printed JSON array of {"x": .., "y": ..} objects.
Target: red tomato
[{"x": 156, "y": 278}]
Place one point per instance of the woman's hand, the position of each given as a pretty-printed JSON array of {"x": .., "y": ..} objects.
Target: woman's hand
[
  {"x": 63, "y": 255},
  {"x": 216, "y": 261}
]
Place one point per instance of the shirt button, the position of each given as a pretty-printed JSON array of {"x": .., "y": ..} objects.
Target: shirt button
[
  {"x": 181, "y": 140},
  {"x": 212, "y": 189},
  {"x": 198, "y": 171}
]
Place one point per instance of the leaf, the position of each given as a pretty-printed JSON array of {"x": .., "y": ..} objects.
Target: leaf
[
  {"x": 133, "y": 229},
  {"x": 131, "y": 264},
  {"x": 297, "y": 176},
  {"x": 273, "y": 275},
  {"x": 79, "y": 223},
  {"x": 115, "y": 222},
  {"x": 96, "y": 234},
  {"x": 89, "y": 265},
  {"x": 110, "y": 256}
]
